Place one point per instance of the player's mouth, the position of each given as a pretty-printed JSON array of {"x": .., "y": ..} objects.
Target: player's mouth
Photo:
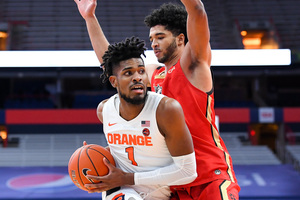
[
  {"x": 138, "y": 88},
  {"x": 157, "y": 52}
]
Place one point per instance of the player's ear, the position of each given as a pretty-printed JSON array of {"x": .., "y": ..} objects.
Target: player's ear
[
  {"x": 113, "y": 81},
  {"x": 180, "y": 39}
]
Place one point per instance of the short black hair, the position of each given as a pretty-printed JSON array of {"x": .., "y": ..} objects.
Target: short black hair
[
  {"x": 130, "y": 48},
  {"x": 171, "y": 15}
]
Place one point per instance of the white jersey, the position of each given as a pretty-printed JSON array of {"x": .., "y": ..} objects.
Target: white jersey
[{"x": 137, "y": 145}]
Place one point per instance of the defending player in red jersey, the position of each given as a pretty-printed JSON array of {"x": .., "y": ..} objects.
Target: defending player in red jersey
[{"x": 180, "y": 39}]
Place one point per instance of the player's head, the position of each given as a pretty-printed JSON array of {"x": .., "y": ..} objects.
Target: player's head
[
  {"x": 167, "y": 29},
  {"x": 125, "y": 69}
]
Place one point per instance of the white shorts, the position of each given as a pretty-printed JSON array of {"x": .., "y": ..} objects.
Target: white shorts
[{"x": 124, "y": 193}]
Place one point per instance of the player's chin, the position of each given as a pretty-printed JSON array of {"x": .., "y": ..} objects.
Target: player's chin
[
  {"x": 138, "y": 95},
  {"x": 138, "y": 99}
]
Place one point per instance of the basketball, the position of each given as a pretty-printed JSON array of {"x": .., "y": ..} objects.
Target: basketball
[{"x": 88, "y": 160}]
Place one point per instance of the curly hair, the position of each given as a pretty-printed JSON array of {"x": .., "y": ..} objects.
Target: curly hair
[
  {"x": 130, "y": 48},
  {"x": 172, "y": 16}
]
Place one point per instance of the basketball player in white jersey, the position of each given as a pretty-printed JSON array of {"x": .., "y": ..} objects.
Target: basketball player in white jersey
[{"x": 145, "y": 131}]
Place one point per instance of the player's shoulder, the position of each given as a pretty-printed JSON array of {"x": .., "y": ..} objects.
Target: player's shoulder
[
  {"x": 168, "y": 111},
  {"x": 168, "y": 104},
  {"x": 104, "y": 102},
  {"x": 159, "y": 69}
]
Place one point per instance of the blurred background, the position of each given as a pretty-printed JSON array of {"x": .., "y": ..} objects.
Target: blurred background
[{"x": 46, "y": 112}]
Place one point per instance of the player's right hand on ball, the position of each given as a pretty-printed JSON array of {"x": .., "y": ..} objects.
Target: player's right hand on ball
[{"x": 115, "y": 178}]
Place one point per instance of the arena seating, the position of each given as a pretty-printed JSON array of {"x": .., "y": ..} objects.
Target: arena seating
[
  {"x": 58, "y": 25},
  {"x": 30, "y": 102},
  {"x": 247, "y": 154},
  {"x": 293, "y": 155},
  {"x": 55, "y": 150},
  {"x": 282, "y": 14},
  {"x": 89, "y": 100},
  {"x": 46, "y": 149}
]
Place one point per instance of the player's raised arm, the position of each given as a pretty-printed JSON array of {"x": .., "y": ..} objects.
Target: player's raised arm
[
  {"x": 198, "y": 30},
  {"x": 99, "y": 42}
]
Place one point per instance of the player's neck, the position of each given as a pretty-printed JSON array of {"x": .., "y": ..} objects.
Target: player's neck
[
  {"x": 130, "y": 111},
  {"x": 169, "y": 65},
  {"x": 172, "y": 61}
]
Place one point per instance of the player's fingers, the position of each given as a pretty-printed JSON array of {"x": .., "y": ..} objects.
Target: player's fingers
[
  {"x": 95, "y": 178},
  {"x": 92, "y": 188},
  {"x": 94, "y": 191},
  {"x": 84, "y": 143},
  {"x": 107, "y": 148},
  {"x": 108, "y": 164}
]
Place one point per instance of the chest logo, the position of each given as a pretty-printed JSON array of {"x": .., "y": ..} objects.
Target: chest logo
[
  {"x": 171, "y": 70},
  {"x": 146, "y": 132},
  {"x": 158, "y": 89},
  {"x": 111, "y": 124}
]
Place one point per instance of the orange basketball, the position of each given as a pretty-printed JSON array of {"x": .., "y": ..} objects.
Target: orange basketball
[{"x": 88, "y": 160}]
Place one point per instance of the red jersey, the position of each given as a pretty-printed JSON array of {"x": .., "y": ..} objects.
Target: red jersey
[{"x": 212, "y": 157}]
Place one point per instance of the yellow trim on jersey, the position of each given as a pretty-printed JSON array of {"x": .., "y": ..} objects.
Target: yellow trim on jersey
[
  {"x": 208, "y": 110},
  {"x": 223, "y": 189},
  {"x": 229, "y": 171},
  {"x": 216, "y": 137},
  {"x": 161, "y": 75},
  {"x": 215, "y": 133}
]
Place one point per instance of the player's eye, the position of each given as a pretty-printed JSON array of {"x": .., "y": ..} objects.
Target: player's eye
[
  {"x": 127, "y": 73},
  {"x": 142, "y": 71}
]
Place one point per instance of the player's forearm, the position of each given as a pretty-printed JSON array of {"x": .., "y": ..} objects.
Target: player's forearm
[
  {"x": 182, "y": 171},
  {"x": 97, "y": 37},
  {"x": 192, "y": 6},
  {"x": 197, "y": 19}
]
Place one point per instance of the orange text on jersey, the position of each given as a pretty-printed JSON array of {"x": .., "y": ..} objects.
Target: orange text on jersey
[{"x": 124, "y": 139}]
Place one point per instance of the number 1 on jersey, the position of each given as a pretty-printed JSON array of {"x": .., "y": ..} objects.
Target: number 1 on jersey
[{"x": 130, "y": 152}]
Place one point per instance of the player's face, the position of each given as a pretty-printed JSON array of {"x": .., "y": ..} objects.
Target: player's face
[
  {"x": 163, "y": 43},
  {"x": 131, "y": 80}
]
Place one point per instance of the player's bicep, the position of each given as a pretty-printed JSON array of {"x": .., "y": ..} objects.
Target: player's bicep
[
  {"x": 199, "y": 34},
  {"x": 172, "y": 125}
]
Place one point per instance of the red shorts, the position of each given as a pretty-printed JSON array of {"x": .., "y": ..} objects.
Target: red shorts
[{"x": 216, "y": 190}]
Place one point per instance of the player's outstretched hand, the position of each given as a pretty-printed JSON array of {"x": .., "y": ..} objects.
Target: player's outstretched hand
[{"x": 86, "y": 7}]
